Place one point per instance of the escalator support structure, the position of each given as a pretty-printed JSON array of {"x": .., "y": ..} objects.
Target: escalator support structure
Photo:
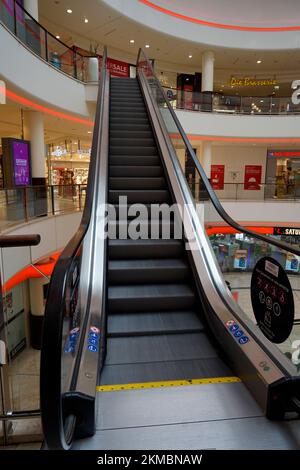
[{"x": 145, "y": 310}]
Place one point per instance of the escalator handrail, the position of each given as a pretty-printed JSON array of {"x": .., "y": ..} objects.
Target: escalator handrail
[
  {"x": 50, "y": 368},
  {"x": 211, "y": 193}
]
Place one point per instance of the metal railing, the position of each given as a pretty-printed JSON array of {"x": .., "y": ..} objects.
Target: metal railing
[
  {"x": 22, "y": 204},
  {"x": 232, "y": 104},
  {"x": 42, "y": 42},
  {"x": 250, "y": 192}
]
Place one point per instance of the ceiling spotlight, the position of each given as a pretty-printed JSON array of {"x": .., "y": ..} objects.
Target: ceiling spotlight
[
  {"x": 89, "y": 132},
  {"x": 69, "y": 10},
  {"x": 131, "y": 41},
  {"x": 86, "y": 20},
  {"x": 259, "y": 61},
  {"x": 58, "y": 36},
  {"x": 147, "y": 46},
  {"x": 190, "y": 56},
  {"x": 276, "y": 87}
]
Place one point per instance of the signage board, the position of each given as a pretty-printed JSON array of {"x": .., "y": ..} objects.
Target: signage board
[
  {"x": 240, "y": 259},
  {"x": 118, "y": 68},
  {"x": 217, "y": 176},
  {"x": 284, "y": 153},
  {"x": 16, "y": 162},
  {"x": 252, "y": 178},
  {"x": 272, "y": 300},
  {"x": 252, "y": 82},
  {"x": 294, "y": 231}
]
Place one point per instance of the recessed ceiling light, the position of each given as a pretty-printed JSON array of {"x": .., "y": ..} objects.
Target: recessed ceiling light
[
  {"x": 259, "y": 61},
  {"x": 147, "y": 46},
  {"x": 69, "y": 10},
  {"x": 261, "y": 101},
  {"x": 89, "y": 132},
  {"x": 294, "y": 87},
  {"x": 86, "y": 20},
  {"x": 276, "y": 87},
  {"x": 131, "y": 41},
  {"x": 190, "y": 56},
  {"x": 58, "y": 36}
]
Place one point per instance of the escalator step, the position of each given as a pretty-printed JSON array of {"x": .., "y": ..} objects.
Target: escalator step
[
  {"x": 143, "y": 271},
  {"x": 134, "y": 160},
  {"x": 140, "y": 196},
  {"x": 136, "y": 150},
  {"x": 149, "y": 298},
  {"x": 144, "y": 229},
  {"x": 136, "y": 324},
  {"x": 143, "y": 183},
  {"x": 143, "y": 249},
  {"x": 135, "y": 141},
  {"x": 133, "y": 134},
  {"x": 135, "y": 171}
]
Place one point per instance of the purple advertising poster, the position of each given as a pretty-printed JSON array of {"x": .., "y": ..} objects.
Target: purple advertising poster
[{"x": 21, "y": 163}]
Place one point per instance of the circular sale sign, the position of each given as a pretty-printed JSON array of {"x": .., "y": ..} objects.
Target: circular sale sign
[{"x": 272, "y": 300}]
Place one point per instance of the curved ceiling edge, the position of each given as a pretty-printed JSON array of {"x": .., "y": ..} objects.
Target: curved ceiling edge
[{"x": 139, "y": 11}]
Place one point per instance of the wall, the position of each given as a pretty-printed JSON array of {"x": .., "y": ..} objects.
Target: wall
[{"x": 55, "y": 233}]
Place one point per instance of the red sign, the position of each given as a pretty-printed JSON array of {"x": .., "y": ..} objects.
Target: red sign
[
  {"x": 252, "y": 180},
  {"x": 217, "y": 176},
  {"x": 117, "y": 68},
  {"x": 284, "y": 153}
]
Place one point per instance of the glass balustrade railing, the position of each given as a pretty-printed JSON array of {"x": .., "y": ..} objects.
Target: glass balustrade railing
[
  {"x": 237, "y": 255},
  {"x": 22, "y": 204},
  {"x": 230, "y": 104}
]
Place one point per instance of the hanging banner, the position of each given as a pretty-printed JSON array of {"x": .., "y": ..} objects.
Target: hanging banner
[
  {"x": 292, "y": 263},
  {"x": 217, "y": 176},
  {"x": 118, "y": 68},
  {"x": 240, "y": 259},
  {"x": 252, "y": 180}
]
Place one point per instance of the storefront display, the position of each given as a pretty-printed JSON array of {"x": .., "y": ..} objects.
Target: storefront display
[
  {"x": 69, "y": 163},
  {"x": 217, "y": 176},
  {"x": 252, "y": 178},
  {"x": 283, "y": 173}
]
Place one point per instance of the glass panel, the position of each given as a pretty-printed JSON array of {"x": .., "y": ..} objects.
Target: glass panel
[
  {"x": 60, "y": 56},
  {"x": 237, "y": 253},
  {"x": 12, "y": 207},
  {"x": 66, "y": 198},
  {"x": 7, "y": 14},
  {"x": 30, "y": 32}
]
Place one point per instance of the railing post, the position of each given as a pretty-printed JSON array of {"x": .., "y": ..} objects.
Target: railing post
[
  {"x": 74, "y": 61},
  {"x": 15, "y": 18},
  {"x": 52, "y": 200},
  {"x": 26, "y": 214},
  {"x": 46, "y": 46},
  {"x": 79, "y": 198}
]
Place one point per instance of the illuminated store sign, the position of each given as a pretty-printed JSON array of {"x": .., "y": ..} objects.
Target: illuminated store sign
[
  {"x": 286, "y": 231},
  {"x": 284, "y": 153},
  {"x": 254, "y": 82}
]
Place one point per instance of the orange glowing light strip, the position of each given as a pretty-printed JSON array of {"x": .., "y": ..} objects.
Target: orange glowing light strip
[
  {"x": 38, "y": 107},
  {"x": 218, "y": 25},
  {"x": 230, "y": 230},
  {"x": 31, "y": 272}
]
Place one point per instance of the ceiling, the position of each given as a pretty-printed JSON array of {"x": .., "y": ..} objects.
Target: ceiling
[
  {"x": 109, "y": 27},
  {"x": 257, "y": 13},
  {"x": 55, "y": 128}
]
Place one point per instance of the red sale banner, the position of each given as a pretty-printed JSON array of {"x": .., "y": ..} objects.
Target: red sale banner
[
  {"x": 217, "y": 176},
  {"x": 117, "y": 68},
  {"x": 252, "y": 180}
]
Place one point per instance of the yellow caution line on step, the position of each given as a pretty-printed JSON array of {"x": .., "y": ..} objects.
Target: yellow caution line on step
[{"x": 167, "y": 383}]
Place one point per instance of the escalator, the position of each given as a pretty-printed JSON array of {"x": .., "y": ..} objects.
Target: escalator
[
  {"x": 155, "y": 331},
  {"x": 137, "y": 301}
]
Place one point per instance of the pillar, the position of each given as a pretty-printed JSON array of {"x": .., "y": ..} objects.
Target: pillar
[
  {"x": 208, "y": 60},
  {"x": 32, "y": 7},
  {"x": 34, "y": 132},
  {"x": 37, "y": 310},
  {"x": 207, "y": 157}
]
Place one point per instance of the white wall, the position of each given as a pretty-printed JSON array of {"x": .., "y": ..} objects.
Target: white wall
[
  {"x": 55, "y": 233},
  {"x": 269, "y": 213},
  {"x": 30, "y": 75}
]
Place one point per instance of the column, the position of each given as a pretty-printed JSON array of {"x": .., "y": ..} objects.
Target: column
[
  {"x": 37, "y": 311},
  {"x": 34, "y": 132},
  {"x": 208, "y": 60},
  {"x": 207, "y": 157},
  {"x": 32, "y": 7}
]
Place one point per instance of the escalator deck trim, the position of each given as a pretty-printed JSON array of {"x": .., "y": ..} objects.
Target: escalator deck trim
[{"x": 167, "y": 383}]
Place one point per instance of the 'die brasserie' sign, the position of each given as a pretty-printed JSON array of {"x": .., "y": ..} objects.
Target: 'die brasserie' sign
[{"x": 249, "y": 81}]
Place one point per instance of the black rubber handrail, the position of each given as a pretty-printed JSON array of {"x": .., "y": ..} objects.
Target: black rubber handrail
[
  {"x": 14, "y": 241},
  {"x": 50, "y": 375},
  {"x": 211, "y": 193}
]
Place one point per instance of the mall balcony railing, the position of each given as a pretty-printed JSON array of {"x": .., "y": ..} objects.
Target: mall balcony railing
[
  {"x": 42, "y": 42},
  {"x": 232, "y": 104},
  {"x": 248, "y": 191},
  {"x": 22, "y": 204}
]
